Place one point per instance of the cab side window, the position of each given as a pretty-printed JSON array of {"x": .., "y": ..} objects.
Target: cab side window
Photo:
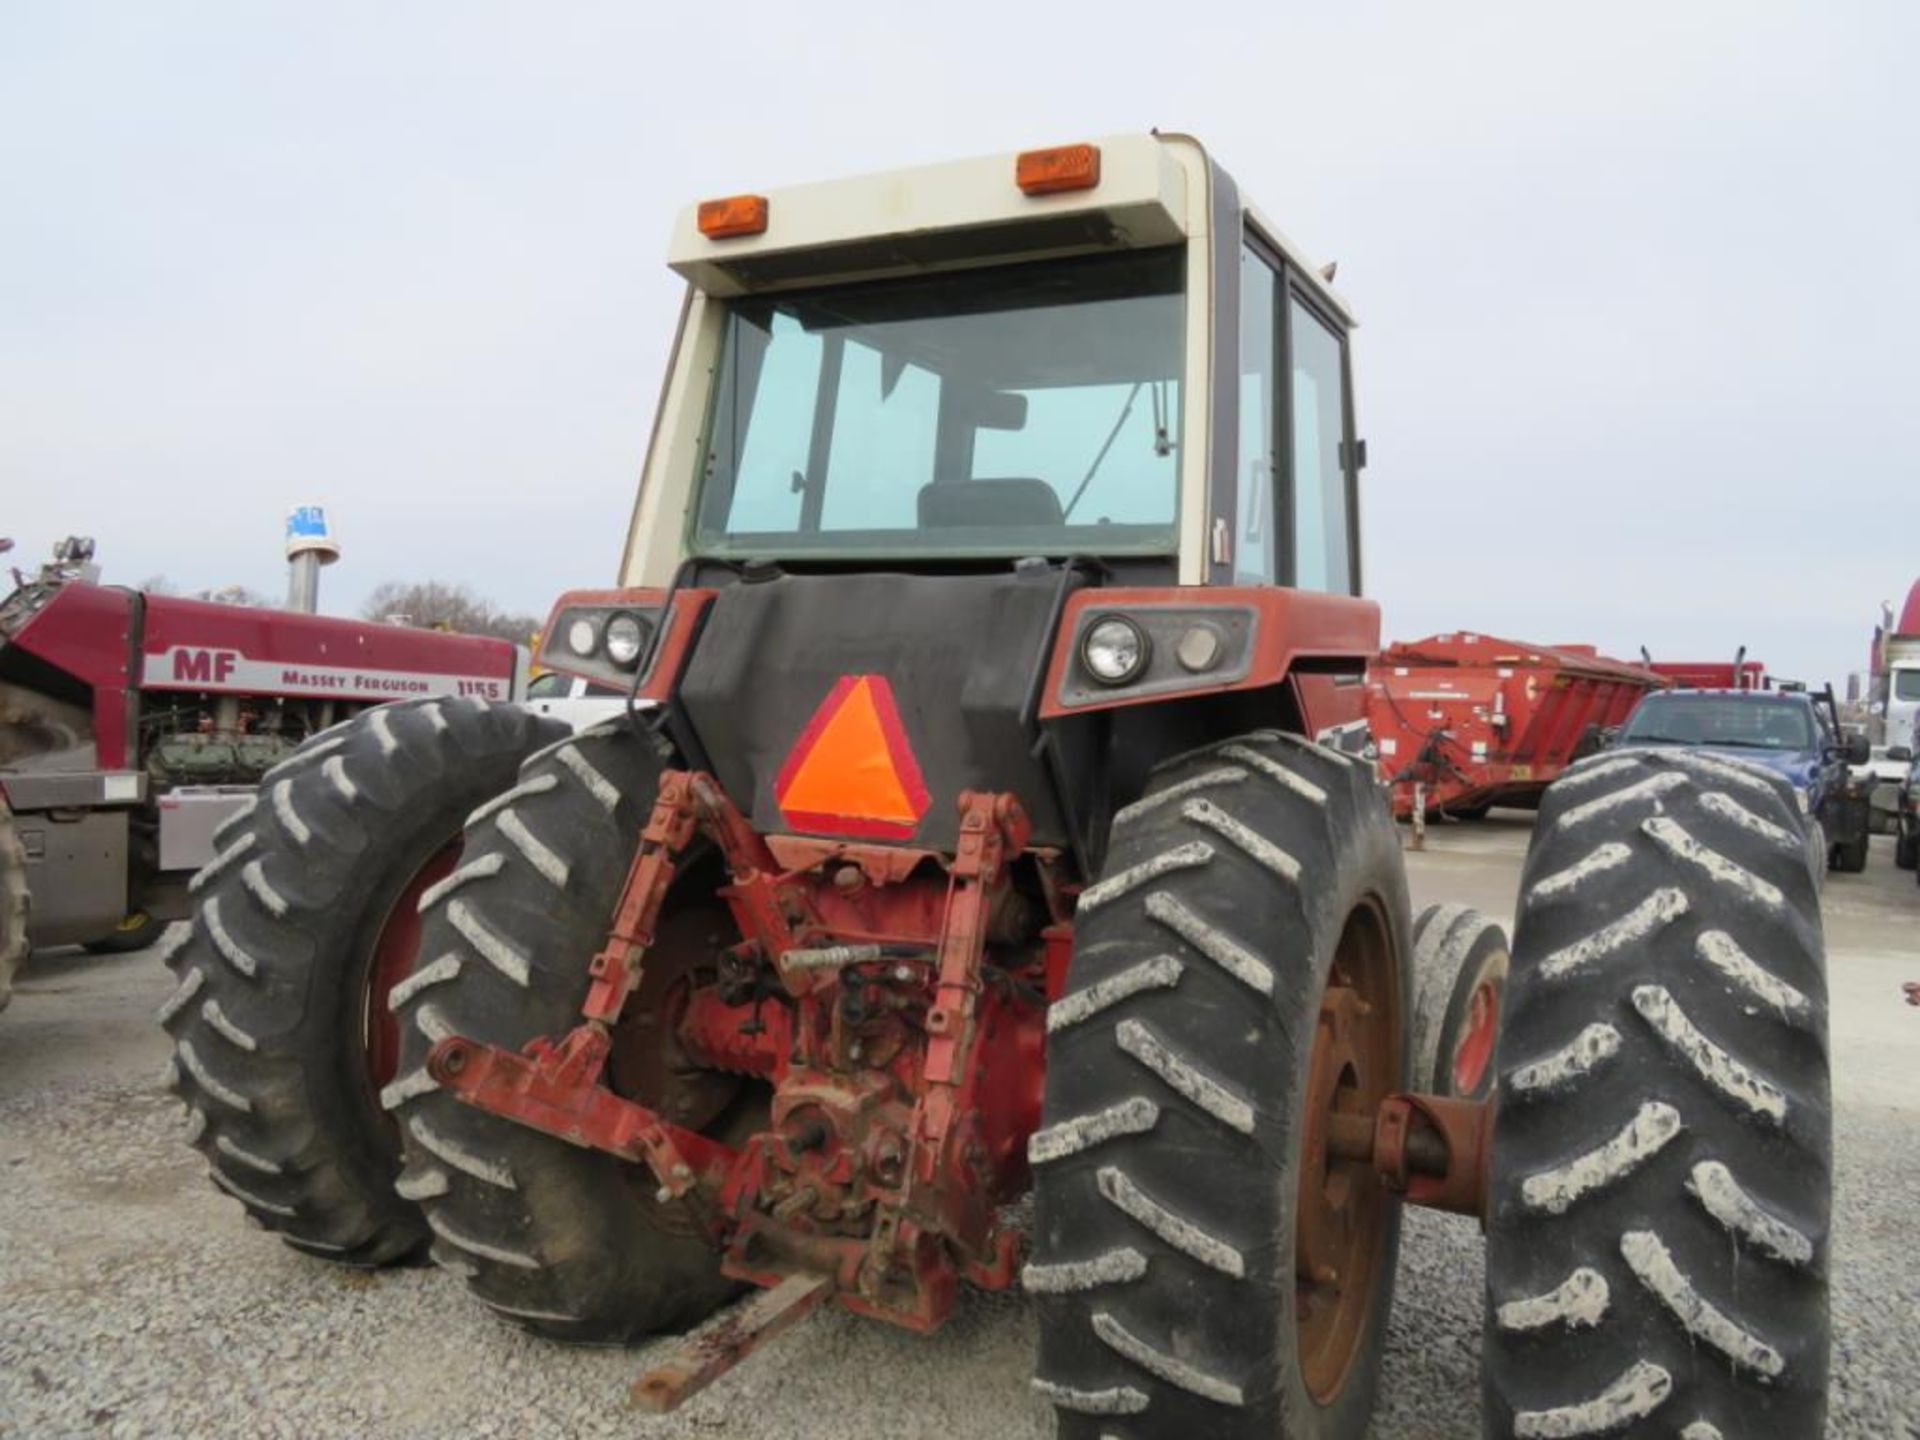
[{"x": 1322, "y": 519}]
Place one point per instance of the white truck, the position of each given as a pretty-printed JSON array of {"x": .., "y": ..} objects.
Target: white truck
[
  {"x": 1894, "y": 690},
  {"x": 1901, "y": 678}
]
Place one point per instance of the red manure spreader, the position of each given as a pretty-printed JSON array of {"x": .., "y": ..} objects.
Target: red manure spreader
[
  {"x": 1463, "y": 722},
  {"x": 990, "y": 599},
  {"x": 132, "y": 726},
  {"x": 1739, "y": 674}
]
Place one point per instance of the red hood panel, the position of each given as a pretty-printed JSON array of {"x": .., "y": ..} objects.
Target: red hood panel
[{"x": 193, "y": 645}]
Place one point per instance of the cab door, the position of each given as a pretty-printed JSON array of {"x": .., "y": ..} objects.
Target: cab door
[{"x": 1297, "y": 491}]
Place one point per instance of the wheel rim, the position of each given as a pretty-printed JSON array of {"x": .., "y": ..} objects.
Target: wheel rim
[
  {"x": 392, "y": 959},
  {"x": 1342, "y": 1212},
  {"x": 648, "y": 1062},
  {"x": 1475, "y": 1050}
]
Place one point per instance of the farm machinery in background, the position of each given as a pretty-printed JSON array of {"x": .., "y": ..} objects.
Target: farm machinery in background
[
  {"x": 1893, "y": 682},
  {"x": 992, "y": 591},
  {"x": 132, "y": 725},
  {"x": 1462, "y": 722},
  {"x": 1739, "y": 673}
]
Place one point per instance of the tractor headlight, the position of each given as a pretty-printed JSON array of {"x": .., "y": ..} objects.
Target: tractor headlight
[
  {"x": 1114, "y": 650},
  {"x": 583, "y": 637},
  {"x": 1199, "y": 648},
  {"x": 1804, "y": 794},
  {"x": 626, "y": 637}
]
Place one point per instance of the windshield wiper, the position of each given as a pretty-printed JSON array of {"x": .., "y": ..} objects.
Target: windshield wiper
[{"x": 1126, "y": 409}]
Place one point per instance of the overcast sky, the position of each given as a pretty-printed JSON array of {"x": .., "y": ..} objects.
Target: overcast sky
[{"x": 1639, "y": 283}]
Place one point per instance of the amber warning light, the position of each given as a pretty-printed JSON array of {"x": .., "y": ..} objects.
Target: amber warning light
[
  {"x": 735, "y": 215},
  {"x": 1065, "y": 167}
]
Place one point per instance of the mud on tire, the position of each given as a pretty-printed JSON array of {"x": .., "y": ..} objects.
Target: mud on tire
[
  {"x": 1657, "y": 1236},
  {"x": 268, "y": 1021},
  {"x": 1167, "y": 1166},
  {"x": 563, "y": 1240}
]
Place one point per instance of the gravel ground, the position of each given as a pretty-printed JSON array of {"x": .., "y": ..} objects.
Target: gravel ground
[{"x": 134, "y": 1302}]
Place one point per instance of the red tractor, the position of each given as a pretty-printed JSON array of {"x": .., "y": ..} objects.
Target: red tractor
[
  {"x": 973, "y": 831},
  {"x": 134, "y": 725}
]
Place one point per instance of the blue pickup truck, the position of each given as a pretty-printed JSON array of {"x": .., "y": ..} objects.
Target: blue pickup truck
[{"x": 1794, "y": 733}]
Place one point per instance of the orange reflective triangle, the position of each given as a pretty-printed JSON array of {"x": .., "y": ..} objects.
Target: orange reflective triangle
[{"x": 852, "y": 772}]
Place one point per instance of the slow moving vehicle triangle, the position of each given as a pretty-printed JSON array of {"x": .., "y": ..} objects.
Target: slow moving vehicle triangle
[{"x": 852, "y": 771}]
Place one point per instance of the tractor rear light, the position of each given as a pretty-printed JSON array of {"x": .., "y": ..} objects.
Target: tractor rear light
[
  {"x": 1125, "y": 645},
  {"x": 1199, "y": 649},
  {"x": 604, "y": 637},
  {"x": 733, "y": 216},
  {"x": 1115, "y": 650},
  {"x": 1064, "y": 167},
  {"x": 626, "y": 639},
  {"x": 583, "y": 637}
]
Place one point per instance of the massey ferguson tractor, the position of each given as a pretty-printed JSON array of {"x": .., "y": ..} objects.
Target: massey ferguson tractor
[
  {"x": 972, "y": 832},
  {"x": 132, "y": 725}
]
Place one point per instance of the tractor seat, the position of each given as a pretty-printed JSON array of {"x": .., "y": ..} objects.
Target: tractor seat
[{"x": 1014, "y": 500}]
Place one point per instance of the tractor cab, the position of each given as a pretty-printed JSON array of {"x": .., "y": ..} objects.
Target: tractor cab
[{"x": 1003, "y": 449}]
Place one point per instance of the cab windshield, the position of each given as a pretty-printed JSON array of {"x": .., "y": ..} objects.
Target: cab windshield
[
  {"x": 1744, "y": 723},
  {"x": 1023, "y": 410}
]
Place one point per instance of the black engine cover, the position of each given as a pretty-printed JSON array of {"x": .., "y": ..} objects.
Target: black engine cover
[{"x": 960, "y": 652}]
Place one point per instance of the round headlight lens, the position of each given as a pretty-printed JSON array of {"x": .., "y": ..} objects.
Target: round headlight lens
[
  {"x": 1114, "y": 651},
  {"x": 583, "y": 637},
  {"x": 1199, "y": 648},
  {"x": 626, "y": 638}
]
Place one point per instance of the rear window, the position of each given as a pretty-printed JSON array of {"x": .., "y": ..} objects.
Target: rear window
[{"x": 1735, "y": 721}]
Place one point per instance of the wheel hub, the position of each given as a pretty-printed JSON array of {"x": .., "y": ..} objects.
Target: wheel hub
[
  {"x": 1343, "y": 1213},
  {"x": 1475, "y": 1050}
]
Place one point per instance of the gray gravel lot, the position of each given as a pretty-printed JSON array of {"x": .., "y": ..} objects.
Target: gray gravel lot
[{"x": 134, "y": 1302}]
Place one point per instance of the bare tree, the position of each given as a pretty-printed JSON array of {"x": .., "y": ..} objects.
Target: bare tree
[
  {"x": 437, "y": 605},
  {"x": 218, "y": 594}
]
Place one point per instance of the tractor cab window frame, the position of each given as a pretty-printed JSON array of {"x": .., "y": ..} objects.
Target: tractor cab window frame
[
  {"x": 951, "y": 416},
  {"x": 1279, "y": 557},
  {"x": 1328, "y": 501},
  {"x": 1260, "y": 520}
]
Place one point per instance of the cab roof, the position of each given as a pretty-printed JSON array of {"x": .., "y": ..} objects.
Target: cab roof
[{"x": 1152, "y": 189}]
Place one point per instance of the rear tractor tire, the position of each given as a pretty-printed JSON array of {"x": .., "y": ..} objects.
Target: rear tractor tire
[
  {"x": 1201, "y": 1265},
  {"x": 1661, "y": 1182},
  {"x": 1460, "y": 964},
  {"x": 566, "y": 1241},
  {"x": 305, "y": 918},
  {"x": 14, "y": 903}
]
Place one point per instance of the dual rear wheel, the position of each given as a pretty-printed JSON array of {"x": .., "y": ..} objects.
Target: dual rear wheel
[
  {"x": 1244, "y": 975},
  {"x": 306, "y": 919},
  {"x": 1659, "y": 1193}
]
